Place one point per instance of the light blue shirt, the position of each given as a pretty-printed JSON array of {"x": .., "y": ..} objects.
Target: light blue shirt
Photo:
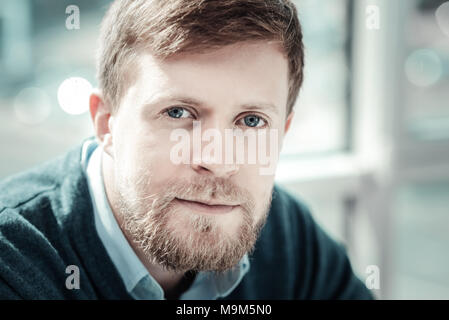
[{"x": 138, "y": 281}]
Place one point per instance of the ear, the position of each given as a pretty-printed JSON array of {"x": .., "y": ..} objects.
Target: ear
[
  {"x": 102, "y": 120},
  {"x": 289, "y": 121}
]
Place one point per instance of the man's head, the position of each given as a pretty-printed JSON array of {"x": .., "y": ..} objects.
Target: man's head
[
  {"x": 166, "y": 28},
  {"x": 227, "y": 64}
]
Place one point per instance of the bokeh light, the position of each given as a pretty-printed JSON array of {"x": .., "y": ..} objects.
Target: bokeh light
[
  {"x": 32, "y": 105},
  {"x": 73, "y": 95},
  {"x": 442, "y": 16},
  {"x": 423, "y": 67}
]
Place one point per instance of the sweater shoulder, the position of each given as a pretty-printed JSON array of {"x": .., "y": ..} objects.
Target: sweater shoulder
[
  {"x": 29, "y": 257},
  {"x": 47, "y": 225},
  {"x": 34, "y": 246},
  {"x": 29, "y": 200},
  {"x": 44, "y": 189},
  {"x": 289, "y": 215},
  {"x": 301, "y": 260},
  {"x": 20, "y": 188}
]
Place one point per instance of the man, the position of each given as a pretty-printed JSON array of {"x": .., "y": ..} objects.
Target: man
[{"x": 119, "y": 217}]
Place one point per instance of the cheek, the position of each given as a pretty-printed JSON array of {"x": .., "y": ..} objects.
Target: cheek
[
  {"x": 258, "y": 185},
  {"x": 137, "y": 149},
  {"x": 150, "y": 155},
  {"x": 262, "y": 186}
]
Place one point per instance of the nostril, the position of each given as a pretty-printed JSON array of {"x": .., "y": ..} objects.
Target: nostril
[{"x": 220, "y": 170}]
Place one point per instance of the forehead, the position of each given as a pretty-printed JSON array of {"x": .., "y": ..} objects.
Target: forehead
[{"x": 229, "y": 75}]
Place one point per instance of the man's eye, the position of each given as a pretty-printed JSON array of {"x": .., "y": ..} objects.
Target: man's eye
[
  {"x": 178, "y": 112},
  {"x": 254, "y": 121}
]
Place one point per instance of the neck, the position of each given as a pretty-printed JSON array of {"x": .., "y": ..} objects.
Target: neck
[{"x": 170, "y": 281}]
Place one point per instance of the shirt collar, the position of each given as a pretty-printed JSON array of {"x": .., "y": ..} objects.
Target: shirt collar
[
  {"x": 137, "y": 280},
  {"x": 122, "y": 255}
]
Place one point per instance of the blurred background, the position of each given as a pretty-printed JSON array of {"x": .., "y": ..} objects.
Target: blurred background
[{"x": 368, "y": 151}]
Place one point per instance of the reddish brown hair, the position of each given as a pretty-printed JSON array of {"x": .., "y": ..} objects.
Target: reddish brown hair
[{"x": 167, "y": 27}]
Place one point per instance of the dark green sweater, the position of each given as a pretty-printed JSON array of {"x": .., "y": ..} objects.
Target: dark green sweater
[{"x": 47, "y": 224}]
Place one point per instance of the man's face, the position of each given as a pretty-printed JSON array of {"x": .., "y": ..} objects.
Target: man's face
[{"x": 199, "y": 215}]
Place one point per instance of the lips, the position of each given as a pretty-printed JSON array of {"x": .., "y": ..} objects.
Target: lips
[{"x": 206, "y": 207}]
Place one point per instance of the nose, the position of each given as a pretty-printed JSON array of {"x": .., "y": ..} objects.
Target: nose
[
  {"x": 219, "y": 170},
  {"x": 203, "y": 162}
]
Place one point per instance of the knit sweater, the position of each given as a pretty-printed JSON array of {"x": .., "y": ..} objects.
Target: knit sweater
[{"x": 47, "y": 224}]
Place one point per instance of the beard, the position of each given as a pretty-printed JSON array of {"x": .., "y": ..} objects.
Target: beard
[{"x": 179, "y": 240}]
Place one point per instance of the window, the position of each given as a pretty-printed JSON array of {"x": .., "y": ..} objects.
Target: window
[
  {"x": 427, "y": 71},
  {"x": 322, "y": 119},
  {"x": 38, "y": 54}
]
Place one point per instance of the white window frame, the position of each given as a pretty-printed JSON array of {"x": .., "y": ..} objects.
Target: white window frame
[{"x": 382, "y": 157}]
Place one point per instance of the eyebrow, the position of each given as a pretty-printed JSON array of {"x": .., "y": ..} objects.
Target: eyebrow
[{"x": 193, "y": 101}]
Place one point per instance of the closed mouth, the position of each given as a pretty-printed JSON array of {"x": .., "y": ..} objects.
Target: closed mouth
[{"x": 206, "y": 206}]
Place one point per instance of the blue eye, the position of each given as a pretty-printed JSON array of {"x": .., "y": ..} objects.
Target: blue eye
[
  {"x": 178, "y": 112},
  {"x": 253, "y": 121}
]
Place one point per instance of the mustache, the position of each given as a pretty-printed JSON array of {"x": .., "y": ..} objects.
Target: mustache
[{"x": 206, "y": 189}]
